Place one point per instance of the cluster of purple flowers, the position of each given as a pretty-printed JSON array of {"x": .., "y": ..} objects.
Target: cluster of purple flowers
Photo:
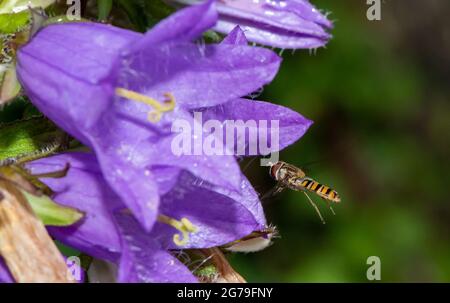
[{"x": 118, "y": 92}]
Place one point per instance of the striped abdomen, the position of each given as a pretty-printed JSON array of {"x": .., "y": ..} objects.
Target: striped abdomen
[{"x": 320, "y": 189}]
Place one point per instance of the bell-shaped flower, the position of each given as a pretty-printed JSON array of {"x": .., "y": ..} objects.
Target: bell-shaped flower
[
  {"x": 119, "y": 92},
  {"x": 101, "y": 83}
]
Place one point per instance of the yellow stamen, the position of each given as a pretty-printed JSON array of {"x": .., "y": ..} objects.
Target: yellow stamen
[
  {"x": 184, "y": 226},
  {"x": 155, "y": 115}
]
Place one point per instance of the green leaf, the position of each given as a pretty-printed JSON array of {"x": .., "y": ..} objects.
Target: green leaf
[
  {"x": 67, "y": 250},
  {"x": 15, "y": 6},
  {"x": 24, "y": 138},
  {"x": 51, "y": 213}
]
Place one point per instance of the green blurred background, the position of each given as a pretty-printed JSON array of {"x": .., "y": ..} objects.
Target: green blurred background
[{"x": 379, "y": 97}]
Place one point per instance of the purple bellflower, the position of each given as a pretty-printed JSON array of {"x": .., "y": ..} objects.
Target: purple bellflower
[
  {"x": 108, "y": 232},
  {"x": 283, "y": 24},
  {"x": 118, "y": 92}
]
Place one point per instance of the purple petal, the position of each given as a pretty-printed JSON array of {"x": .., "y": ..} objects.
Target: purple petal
[
  {"x": 83, "y": 188},
  {"x": 285, "y": 24},
  {"x": 198, "y": 75},
  {"x": 220, "y": 170},
  {"x": 264, "y": 116},
  {"x": 247, "y": 196},
  {"x": 116, "y": 139},
  {"x": 143, "y": 260},
  {"x": 84, "y": 181},
  {"x": 81, "y": 100},
  {"x": 303, "y": 9},
  {"x": 136, "y": 148},
  {"x": 166, "y": 177},
  {"x": 274, "y": 37},
  {"x": 219, "y": 219},
  {"x": 5, "y": 275},
  {"x": 236, "y": 36},
  {"x": 80, "y": 46},
  {"x": 183, "y": 26},
  {"x": 268, "y": 14},
  {"x": 135, "y": 186}
]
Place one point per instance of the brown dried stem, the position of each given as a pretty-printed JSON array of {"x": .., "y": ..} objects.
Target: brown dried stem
[{"x": 226, "y": 273}]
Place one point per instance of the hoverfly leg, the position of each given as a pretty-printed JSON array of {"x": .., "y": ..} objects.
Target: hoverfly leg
[
  {"x": 278, "y": 189},
  {"x": 332, "y": 211},
  {"x": 315, "y": 207},
  {"x": 330, "y": 207}
]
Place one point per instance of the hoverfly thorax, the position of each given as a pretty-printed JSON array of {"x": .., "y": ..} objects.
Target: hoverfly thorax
[{"x": 282, "y": 171}]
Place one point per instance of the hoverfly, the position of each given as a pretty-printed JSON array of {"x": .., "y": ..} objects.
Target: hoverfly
[{"x": 292, "y": 177}]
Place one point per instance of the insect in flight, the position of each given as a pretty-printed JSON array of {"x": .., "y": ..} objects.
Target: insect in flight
[{"x": 292, "y": 177}]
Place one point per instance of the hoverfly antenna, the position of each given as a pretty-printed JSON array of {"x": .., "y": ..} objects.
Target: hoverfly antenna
[{"x": 248, "y": 164}]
